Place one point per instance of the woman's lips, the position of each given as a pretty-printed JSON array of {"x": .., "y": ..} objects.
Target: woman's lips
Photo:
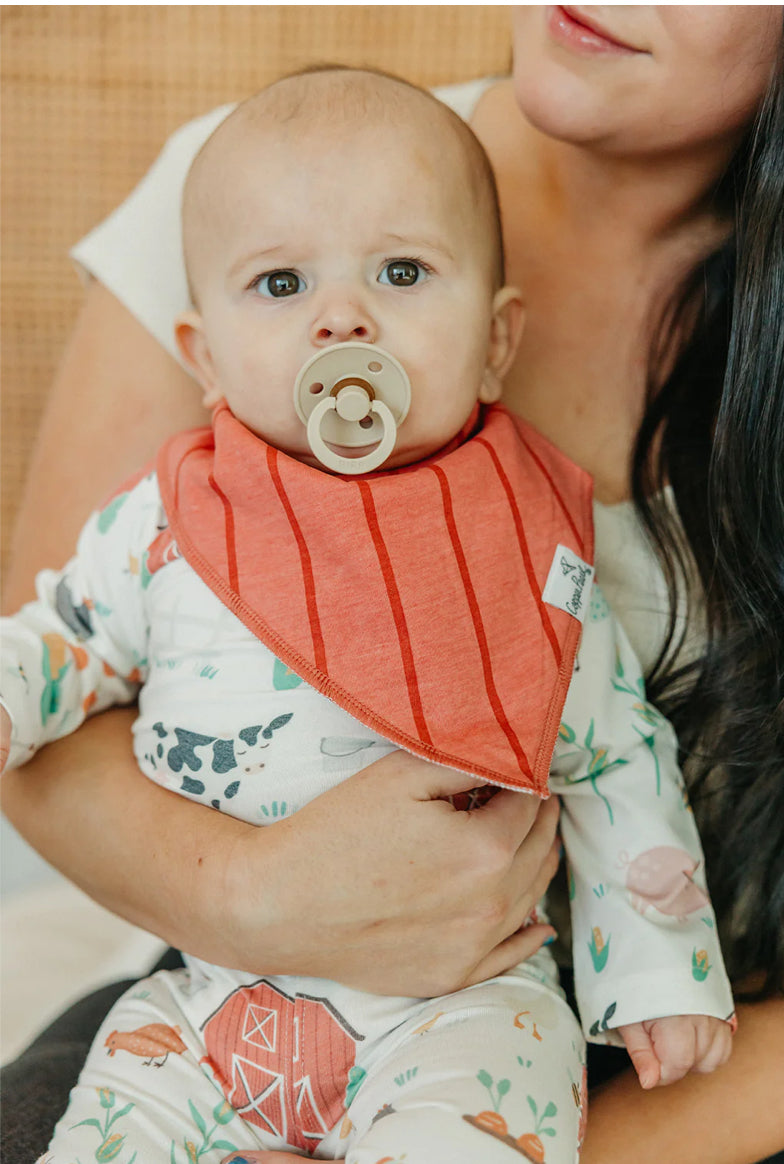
[{"x": 581, "y": 33}]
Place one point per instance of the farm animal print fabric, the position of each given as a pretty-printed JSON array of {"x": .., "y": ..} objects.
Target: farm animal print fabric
[{"x": 493, "y": 1073}]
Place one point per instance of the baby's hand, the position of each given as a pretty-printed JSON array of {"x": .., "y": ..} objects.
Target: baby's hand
[
  {"x": 663, "y": 1050},
  {"x": 5, "y": 736}
]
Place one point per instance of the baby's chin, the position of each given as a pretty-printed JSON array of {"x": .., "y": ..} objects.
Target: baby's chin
[
  {"x": 402, "y": 456},
  {"x": 307, "y": 457}
]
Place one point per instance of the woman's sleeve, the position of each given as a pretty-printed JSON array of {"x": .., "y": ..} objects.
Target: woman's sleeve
[
  {"x": 463, "y": 97},
  {"x": 137, "y": 251}
]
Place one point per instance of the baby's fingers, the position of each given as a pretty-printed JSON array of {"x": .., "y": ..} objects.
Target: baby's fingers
[
  {"x": 675, "y": 1042},
  {"x": 641, "y": 1052},
  {"x": 714, "y": 1044}
]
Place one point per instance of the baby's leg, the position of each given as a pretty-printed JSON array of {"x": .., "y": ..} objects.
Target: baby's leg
[
  {"x": 143, "y": 1095},
  {"x": 492, "y": 1074}
]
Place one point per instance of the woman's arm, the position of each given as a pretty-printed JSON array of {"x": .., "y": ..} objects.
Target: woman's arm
[
  {"x": 116, "y": 397},
  {"x": 373, "y": 884},
  {"x": 733, "y": 1116}
]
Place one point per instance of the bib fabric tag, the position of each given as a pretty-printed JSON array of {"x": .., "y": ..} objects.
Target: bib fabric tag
[{"x": 569, "y": 582}]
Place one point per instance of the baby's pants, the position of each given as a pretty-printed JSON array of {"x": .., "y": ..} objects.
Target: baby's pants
[{"x": 487, "y": 1075}]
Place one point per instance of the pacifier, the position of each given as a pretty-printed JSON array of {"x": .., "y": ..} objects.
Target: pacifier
[{"x": 352, "y": 395}]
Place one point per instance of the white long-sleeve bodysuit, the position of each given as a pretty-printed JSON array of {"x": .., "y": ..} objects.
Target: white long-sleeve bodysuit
[{"x": 222, "y": 721}]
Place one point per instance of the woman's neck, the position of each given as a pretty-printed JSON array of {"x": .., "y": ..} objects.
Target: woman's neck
[
  {"x": 649, "y": 201},
  {"x": 598, "y": 245}
]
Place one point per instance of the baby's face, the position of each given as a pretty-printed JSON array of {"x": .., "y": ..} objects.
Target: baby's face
[{"x": 323, "y": 239}]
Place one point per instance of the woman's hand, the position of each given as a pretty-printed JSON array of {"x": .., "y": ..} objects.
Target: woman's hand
[
  {"x": 381, "y": 885},
  {"x": 374, "y": 884},
  {"x": 5, "y": 736},
  {"x": 263, "y": 1158}
]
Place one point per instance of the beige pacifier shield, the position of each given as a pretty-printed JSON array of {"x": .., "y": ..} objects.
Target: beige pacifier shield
[{"x": 368, "y": 366}]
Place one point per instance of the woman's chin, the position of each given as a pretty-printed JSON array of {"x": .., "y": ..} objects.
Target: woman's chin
[
  {"x": 582, "y": 101},
  {"x": 563, "y": 106}
]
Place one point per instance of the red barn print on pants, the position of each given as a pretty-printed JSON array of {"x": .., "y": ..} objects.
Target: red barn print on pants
[{"x": 283, "y": 1062}]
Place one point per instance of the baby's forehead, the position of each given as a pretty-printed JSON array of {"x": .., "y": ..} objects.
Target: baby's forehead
[
  {"x": 299, "y": 114},
  {"x": 412, "y": 138}
]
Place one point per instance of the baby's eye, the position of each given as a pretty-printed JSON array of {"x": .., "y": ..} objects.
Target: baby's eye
[
  {"x": 402, "y": 273},
  {"x": 279, "y": 284}
]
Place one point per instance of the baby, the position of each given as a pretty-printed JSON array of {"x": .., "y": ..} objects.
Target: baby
[{"x": 285, "y": 624}]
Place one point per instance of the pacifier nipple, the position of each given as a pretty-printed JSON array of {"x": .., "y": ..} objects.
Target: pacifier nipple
[
  {"x": 352, "y": 396},
  {"x": 352, "y": 402}
]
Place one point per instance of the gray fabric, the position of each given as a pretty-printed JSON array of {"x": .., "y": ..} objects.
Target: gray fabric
[{"x": 35, "y": 1086}]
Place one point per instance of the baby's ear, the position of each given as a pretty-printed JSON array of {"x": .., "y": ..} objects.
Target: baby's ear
[
  {"x": 192, "y": 346},
  {"x": 506, "y": 328}
]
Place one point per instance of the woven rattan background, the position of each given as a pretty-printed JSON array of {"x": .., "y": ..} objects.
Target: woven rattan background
[{"x": 89, "y": 93}]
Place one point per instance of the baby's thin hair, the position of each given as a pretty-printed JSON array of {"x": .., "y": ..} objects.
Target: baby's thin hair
[{"x": 288, "y": 102}]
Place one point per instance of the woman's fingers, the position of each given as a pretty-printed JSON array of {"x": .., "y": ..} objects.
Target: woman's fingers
[
  {"x": 534, "y": 861},
  {"x": 520, "y": 816},
  {"x": 404, "y": 893},
  {"x": 532, "y": 874},
  {"x": 540, "y": 852},
  {"x": 262, "y": 1158},
  {"x": 532, "y": 868},
  {"x": 428, "y": 781},
  {"x": 511, "y": 951},
  {"x": 5, "y": 736}
]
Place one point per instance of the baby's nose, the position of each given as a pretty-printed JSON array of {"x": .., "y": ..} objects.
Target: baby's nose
[{"x": 342, "y": 319}]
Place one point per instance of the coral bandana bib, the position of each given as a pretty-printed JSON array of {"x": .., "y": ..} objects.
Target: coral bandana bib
[{"x": 412, "y": 598}]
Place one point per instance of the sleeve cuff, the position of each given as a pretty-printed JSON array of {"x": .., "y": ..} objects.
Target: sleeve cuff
[{"x": 642, "y": 997}]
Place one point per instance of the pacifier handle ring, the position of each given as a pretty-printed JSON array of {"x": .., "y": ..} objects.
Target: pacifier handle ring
[{"x": 351, "y": 465}]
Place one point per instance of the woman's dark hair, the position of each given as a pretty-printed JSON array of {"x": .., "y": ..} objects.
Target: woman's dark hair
[{"x": 715, "y": 432}]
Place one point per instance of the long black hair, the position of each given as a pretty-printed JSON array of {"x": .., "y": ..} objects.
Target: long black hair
[{"x": 714, "y": 431}]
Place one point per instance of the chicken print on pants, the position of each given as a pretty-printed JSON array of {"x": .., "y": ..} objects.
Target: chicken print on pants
[
  {"x": 283, "y": 1062},
  {"x": 153, "y": 1043},
  {"x": 663, "y": 878}
]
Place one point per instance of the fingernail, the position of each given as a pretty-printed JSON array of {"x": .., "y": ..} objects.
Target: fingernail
[{"x": 549, "y": 941}]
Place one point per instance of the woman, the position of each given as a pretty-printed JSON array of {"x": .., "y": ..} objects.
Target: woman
[{"x": 619, "y": 148}]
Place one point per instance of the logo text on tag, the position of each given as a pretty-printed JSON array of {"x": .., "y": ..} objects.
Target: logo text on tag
[{"x": 568, "y": 585}]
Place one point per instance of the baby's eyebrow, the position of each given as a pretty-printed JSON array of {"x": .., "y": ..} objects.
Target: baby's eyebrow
[
  {"x": 416, "y": 240},
  {"x": 264, "y": 255}
]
